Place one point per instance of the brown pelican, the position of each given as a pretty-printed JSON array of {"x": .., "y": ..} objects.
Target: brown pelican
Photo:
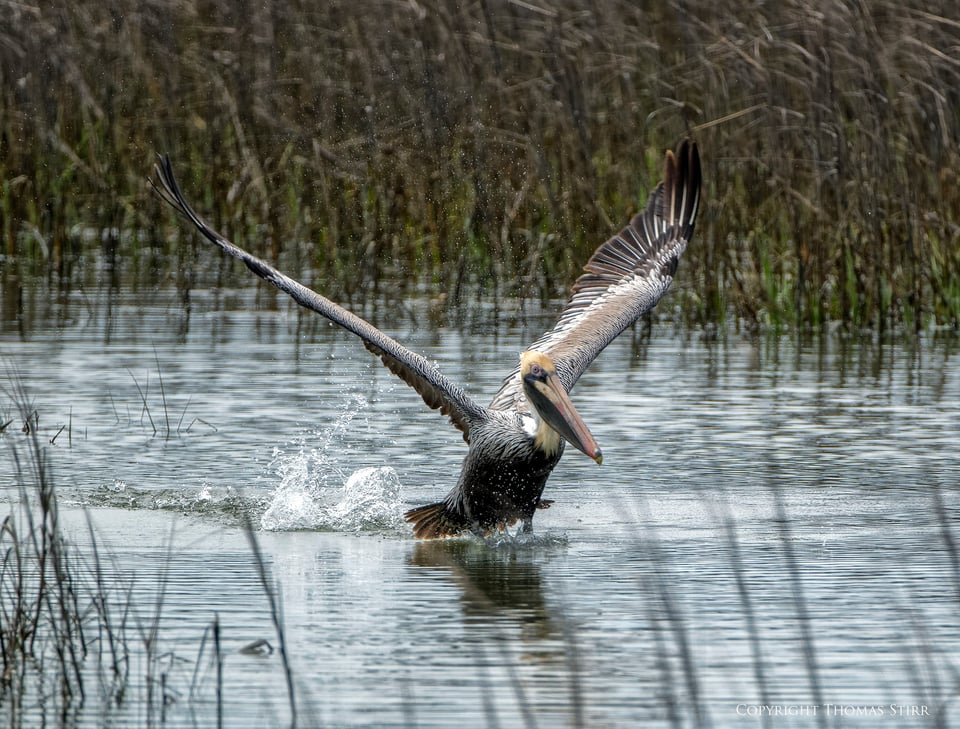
[{"x": 515, "y": 442}]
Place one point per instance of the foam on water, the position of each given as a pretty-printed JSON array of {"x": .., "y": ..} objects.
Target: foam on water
[{"x": 317, "y": 492}]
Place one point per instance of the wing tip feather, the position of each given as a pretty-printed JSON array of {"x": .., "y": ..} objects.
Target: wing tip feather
[
  {"x": 687, "y": 177},
  {"x": 672, "y": 205},
  {"x": 436, "y": 391},
  {"x": 649, "y": 248}
]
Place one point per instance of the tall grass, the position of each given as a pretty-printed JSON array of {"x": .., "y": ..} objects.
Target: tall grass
[
  {"x": 42, "y": 625},
  {"x": 497, "y": 143},
  {"x": 72, "y": 635}
]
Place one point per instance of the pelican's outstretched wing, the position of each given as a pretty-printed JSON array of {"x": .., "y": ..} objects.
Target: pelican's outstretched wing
[
  {"x": 436, "y": 390},
  {"x": 624, "y": 278}
]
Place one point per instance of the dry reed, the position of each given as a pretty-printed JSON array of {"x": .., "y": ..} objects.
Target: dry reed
[{"x": 496, "y": 143}]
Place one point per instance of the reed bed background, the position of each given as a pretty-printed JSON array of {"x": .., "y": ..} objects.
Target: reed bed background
[{"x": 491, "y": 145}]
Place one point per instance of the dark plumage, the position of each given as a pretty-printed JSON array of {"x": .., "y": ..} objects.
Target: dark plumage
[{"x": 515, "y": 442}]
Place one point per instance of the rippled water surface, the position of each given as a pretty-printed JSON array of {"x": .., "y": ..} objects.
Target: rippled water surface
[{"x": 771, "y": 533}]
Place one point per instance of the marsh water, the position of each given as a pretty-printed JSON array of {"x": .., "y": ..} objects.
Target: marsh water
[{"x": 769, "y": 541}]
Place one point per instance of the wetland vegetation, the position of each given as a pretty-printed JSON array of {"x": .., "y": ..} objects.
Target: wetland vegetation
[{"x": 374, "y": 146}]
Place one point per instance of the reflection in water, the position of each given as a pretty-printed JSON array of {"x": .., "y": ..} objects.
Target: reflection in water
[
  {"x": 11, "y": 299},
  {"x": 512, "y": 625},
  {"x": 500, "y": 582}
]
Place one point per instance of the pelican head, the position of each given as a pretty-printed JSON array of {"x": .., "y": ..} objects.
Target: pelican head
[{"x": 558, "y": 417}]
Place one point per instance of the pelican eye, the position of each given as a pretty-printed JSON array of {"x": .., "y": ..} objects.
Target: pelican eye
[{"x": 536, "y": 370}]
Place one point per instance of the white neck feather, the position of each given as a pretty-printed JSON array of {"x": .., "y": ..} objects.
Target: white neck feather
[{"x": 546, "y": 438}]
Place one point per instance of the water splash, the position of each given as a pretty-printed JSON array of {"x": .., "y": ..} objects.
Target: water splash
[
  {"x": 317, "y": 492},
  {"x": 369, "y": 500}
]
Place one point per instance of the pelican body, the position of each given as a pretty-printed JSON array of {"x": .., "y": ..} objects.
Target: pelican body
[{"x": 516, "y": 441}]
